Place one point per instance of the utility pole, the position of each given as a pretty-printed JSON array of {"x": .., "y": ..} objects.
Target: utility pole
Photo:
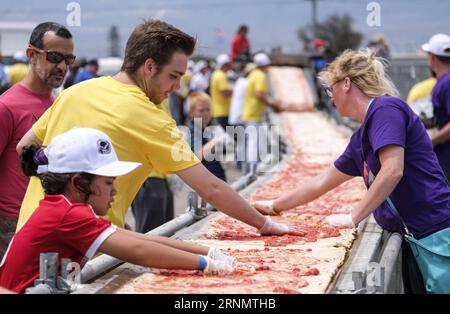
[
  {"x": 314, "y": 14},
  {"x": 114, "y": 39}
]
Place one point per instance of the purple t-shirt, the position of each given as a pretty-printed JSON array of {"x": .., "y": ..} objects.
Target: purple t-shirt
[
  {"x": 422, "y": 196},
  {"x": 440, "y": 97}
]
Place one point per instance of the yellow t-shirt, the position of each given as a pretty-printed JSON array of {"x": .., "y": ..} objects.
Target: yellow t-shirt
[
  {"x": 17, "y": 72},
  {"x": 139, "y": 131},
  {"x": 219, "y": 103},
  {"x": 184, "y": 84},
  {"x": 165, "y": 107},
  {"x": 254, "y": 107},
  {"x": 421, "y": 90}
]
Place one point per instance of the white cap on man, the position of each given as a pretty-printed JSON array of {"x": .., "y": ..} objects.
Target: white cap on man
[
  {"x": 222, "y": 59},
  {"x": 84, "y": 150},
  {"x": 438, "y": 45},
  {"x": 261, "y": 59}
]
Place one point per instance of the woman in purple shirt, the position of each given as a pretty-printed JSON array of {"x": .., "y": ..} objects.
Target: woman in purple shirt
[{"x": 391, "y": 151}]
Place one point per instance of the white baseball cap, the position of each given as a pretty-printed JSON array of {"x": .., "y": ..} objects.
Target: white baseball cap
[
  {"x": 222, "y": 60},
  {"x": 84, "y": 150},
  {"x": 261, "y": 59},
  {"x": 438, "y": 45}
]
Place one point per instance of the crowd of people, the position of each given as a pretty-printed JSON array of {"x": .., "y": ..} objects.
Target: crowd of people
[
  {"x": 127, "y": 110},
  {"x": 73, "y": 166}
]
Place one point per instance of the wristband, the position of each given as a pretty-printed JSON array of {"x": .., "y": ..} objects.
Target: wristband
[{"x": 201, "y": 262}]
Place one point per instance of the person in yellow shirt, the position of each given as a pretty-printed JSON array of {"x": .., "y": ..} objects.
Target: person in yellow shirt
[
  {"x": 19, "y": 70},
  {"x": 421, "y": 89},
  {"x": 124, "y": 107},
  {"x": 153, "y": 204},
  {"x": 419, "y": 98},
  {"x": 255, "y": 101},
  {"x": 221, "y": 90}
]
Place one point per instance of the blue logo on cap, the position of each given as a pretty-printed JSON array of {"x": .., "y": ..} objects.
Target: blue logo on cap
[{"x": 104, "y": 147}]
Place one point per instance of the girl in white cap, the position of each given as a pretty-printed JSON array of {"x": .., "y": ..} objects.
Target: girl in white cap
[{"x": 77, "y": 171}]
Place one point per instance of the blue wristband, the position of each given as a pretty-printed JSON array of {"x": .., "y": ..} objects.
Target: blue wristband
[{"x": 201, "y": 262}]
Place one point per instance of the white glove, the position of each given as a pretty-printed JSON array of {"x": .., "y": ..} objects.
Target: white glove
[
  {"x": 218, "y": 267},
  {"x": 275, "y": 228},
  {"x": 340, "y": 220},
  {"x": 265, "y": 207},
  {"x": 218, "y": 255}
]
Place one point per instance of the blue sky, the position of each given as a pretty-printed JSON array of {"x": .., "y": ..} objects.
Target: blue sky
[{"x": 406, "y": 24}]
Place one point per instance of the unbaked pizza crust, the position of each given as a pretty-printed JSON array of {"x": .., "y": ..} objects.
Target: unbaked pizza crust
[
  {"x": 284, "y": 276},
  {"x": 277, "y": 264}
]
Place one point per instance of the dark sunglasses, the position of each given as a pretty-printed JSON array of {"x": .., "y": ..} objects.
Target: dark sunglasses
[{"x": 54, "y": 56}]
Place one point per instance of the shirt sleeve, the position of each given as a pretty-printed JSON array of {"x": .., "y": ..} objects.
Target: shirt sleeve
[
  {"x": 83, "y": 230},
  {"x": 6, "y": 127},
  {"x": 40, "y": 126},
  {"x": 387, "y": 127},
  {"x": 169, "y": 152},
  {"x": 445, "y": 98},
  {"x": 346, "y": 162}
]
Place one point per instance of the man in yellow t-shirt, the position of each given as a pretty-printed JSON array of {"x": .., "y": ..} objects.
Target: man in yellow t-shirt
[
  {"x": 123, "y": 106},
  {"x": 153, "y": 204},
  {"x": 255, "y": 101},
  {"x": 221, "y": 91}
]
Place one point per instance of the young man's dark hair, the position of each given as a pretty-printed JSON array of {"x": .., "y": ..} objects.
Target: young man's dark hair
[
  {"x": 157, "y": 40},
  {"x": 36, "y": 38},
  {"x": 443, "y": 59}
]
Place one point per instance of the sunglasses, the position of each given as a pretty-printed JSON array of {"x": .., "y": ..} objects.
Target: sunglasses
[
  {"x": 329, "y": 88},
  {"x": 54, "y": 56},
  {"x": 328, "y": 91}
]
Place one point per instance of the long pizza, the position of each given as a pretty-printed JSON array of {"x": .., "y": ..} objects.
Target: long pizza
[{"x": 303, "y": 263}]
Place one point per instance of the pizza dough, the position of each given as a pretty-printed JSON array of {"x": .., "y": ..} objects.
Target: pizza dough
[{"x": 272, "y": 264}]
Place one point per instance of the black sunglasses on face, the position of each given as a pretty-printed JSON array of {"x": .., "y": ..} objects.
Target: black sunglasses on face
[{"x": 54, "y": 56}]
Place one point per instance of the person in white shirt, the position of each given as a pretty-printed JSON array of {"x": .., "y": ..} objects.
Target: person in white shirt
[
  {"x": 199, "y": 82},
  {"x": 237, "y": 98}
]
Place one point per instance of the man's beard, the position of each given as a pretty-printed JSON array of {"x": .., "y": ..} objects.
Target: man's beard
[
  {"x": 50, "y": 79},
  {"x": 151, "y": 92}
]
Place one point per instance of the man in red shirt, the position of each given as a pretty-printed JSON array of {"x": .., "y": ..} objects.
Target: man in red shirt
[
  {"x": 50, "y": 53},
  {"x": 240, "y": 46}
]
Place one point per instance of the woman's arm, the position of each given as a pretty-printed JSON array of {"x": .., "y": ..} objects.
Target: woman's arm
[
  {"x": 392, "y": 165},
  {"x": 307, "y": 192}
]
